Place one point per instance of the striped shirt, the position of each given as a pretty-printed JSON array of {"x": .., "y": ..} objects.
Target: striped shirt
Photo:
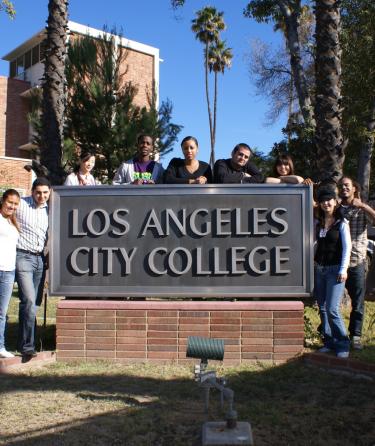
[
  {"x": 358, "y": 221},
  {"x": 33, "y": 222}
]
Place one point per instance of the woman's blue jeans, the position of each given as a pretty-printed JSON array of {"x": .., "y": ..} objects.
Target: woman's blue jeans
[
  {"x": 6, "y": 288},
  {"x": 329, "y": 295}
]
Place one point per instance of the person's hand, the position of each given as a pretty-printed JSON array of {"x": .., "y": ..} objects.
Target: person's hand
[
  {"x": 137, "y": 182},
  {"x": 245, "y": 174},
  {"x": 342, "y": 277},
  {"x": 308, "y": 182},
  {"x": 201, "y": 180},
  {"x": 357, "y": 202}
]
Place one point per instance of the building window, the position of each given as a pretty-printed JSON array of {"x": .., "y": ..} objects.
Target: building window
[
  {"x": 35, "y": 55},
  {"x": 13, "y": 69},
  {"x": 28, "y": 60},
  {"x": 20, "y": 65}
]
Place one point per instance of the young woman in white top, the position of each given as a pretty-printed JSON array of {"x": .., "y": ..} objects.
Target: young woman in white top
[
  {"x": 9, "y": 233},
  {"x": 81, "y": 175}
]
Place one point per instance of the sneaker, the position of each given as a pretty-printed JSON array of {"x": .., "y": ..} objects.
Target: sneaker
[
  {"x": 356, "y": 343},
  {"x": 5, "y": 354},
  {"x": 342, "y": 355},
  {"x": 324, "y": 350}
]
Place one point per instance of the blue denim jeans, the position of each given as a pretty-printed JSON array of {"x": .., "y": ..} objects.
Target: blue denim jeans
[
  {"x": 30, "y": 274},
  {"x": 356, "y": 286},
  {"x": 329, "y": 294},
  {"x": 6, "y": 287}
]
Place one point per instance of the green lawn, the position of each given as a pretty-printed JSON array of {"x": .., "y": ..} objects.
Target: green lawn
[{"x": 100, "y": 403}]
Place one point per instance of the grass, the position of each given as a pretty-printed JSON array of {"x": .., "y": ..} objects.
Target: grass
[{"x": 102, "y": 403}]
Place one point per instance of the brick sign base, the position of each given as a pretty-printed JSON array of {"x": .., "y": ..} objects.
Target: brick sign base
[{"x": 157, "y": 331}]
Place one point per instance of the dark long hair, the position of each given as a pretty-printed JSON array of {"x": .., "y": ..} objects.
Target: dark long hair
[
  {"x": 85, "y": 156},
  {"x": 285, "y": 160},
  {"x": 6, "y": 194}
]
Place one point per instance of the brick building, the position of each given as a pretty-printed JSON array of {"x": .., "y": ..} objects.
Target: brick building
[{"x": 25, "y": 74}]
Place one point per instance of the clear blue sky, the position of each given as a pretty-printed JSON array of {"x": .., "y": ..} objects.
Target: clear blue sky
[{"x": 241, "y": 114}]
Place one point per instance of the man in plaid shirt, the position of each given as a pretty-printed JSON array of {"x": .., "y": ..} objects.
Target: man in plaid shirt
[{"x": 359, "y": 215}]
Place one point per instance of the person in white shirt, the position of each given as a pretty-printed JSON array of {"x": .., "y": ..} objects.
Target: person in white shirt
[
  {"x": 32, "y": 217},
  {"x": 9, "y": 233},
  {"x": 81, "y": 175}
]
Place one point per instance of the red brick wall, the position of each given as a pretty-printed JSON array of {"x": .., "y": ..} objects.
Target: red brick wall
[
  {"x": 13, "y": 174},
  {"x": 14, "y": 127},
  {"x": 140, "y": 71},
  {"x": 157, "y": 331}
]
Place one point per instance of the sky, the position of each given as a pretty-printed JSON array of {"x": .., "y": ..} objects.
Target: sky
[{"x": 241, "y": 113}]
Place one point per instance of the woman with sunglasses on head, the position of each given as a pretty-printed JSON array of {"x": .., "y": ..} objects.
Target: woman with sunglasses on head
[
  {"x": 81, "y": 175},
  {"x": 9, "y": 233},
  {"x": 333, "y": 248},
  {"x": 188, "y": 170}
]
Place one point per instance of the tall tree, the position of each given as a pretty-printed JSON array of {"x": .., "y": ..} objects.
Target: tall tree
[
  {"x": 358, "y": 43},
  {"x": 287, "y": 14},
  {"x": 53, "y": 103},
  {"x": 329, "y": 139},
  {"x": 207, "y": 27},
  {"x": 219, "y": 58},
  {"x": 101, "y": 113}
]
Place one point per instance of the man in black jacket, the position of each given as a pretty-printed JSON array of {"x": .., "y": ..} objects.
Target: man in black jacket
[{"x": 237, "y": 169}]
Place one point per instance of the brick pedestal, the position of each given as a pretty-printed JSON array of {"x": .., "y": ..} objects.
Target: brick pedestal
[{"x": 157, "y": 331}]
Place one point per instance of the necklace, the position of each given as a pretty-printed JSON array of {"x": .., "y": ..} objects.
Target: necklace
[{"x": 193, "y": 167}]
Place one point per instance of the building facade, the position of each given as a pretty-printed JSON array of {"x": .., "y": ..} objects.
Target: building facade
[{"x": 26, "y": 68}]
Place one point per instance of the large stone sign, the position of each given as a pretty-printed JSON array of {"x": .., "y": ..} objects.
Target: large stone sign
[{"x": 182, "y": 241}]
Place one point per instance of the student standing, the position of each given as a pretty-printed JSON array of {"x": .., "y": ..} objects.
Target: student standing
[{"x": 8, "y": 241}]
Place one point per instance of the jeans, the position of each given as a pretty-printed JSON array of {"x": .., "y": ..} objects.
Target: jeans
[
  {"x": 356, "y": 286},
  {"x": 329, "y": 294},
  {"x": 6, "y": 288},
  {"x": 30, "y": 274}
]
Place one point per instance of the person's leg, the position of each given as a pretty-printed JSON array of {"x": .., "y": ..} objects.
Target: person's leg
[
  {"x": 6, "y": 287},
  {"x": 26, "y": 265},
  {"x": 356, "y": 286},
  {"x": 320, "y": 294},
  {"x": 335, "y": 292}
]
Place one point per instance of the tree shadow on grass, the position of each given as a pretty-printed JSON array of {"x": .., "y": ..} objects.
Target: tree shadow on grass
[{"x": 119, "y": 405}]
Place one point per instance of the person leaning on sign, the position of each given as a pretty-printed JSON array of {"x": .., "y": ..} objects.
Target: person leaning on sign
[
  {"x": 141, "y": 169},
  {"x": 81, "y": 175},
  {"x": 238, "y": 169},
  {"x": 188, "y": 170},
  {"x": 359, "y": 215},
  {"x": 32, "y": 217}
]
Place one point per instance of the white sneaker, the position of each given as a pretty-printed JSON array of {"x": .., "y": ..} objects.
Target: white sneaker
[
  {"x": 356, "y": 343},
  {"x": 342, "y": 355},
  {"x": 5, "y": 354}
]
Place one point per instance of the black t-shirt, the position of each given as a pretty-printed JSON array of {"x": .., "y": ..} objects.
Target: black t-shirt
[{"x": 177, "y": 173}]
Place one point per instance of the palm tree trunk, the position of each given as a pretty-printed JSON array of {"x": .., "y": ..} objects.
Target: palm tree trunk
[
  {"x": 53, "y": 105},
  {"x": 208, "y": 101},
  {"x": 212, "y": 157},
  {"x": 329, "y": 140}
]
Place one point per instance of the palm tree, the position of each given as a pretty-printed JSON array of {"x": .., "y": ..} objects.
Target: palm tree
[
  {"x": 219, "y": 58},
  {"x": 207, "y": 27},
  {"x": 330, "y": 144},
  {"x": 53, "y": 103}
]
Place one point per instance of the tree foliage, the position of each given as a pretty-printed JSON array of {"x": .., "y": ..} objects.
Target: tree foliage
[
  {"x": 358, "y": 43},
  {"x": 102, "y": 116},
  {"x": 8, "y": 7}
]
